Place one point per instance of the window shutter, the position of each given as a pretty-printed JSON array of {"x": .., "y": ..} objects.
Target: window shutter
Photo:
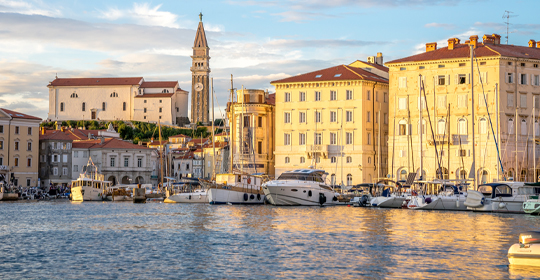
[
  {"x": 456, "y": 77},
  {"x": 506, "y": 77},
  {"x": 468, "y": 78},
  {"x": 409, "y": 130},
  {"x": 448, "y": 80}
]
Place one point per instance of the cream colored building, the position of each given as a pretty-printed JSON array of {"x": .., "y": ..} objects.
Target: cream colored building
[
  {"x": 511, "y": 84},
  {"x": 252, "y": 123},
  {"x": 334, "y": 119},
  {"x": 19, "y": 148},
  {"x": 110, "y": 99}
]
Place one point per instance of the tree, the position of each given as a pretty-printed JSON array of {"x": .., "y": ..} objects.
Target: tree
[{"x": 218, "y": 122}]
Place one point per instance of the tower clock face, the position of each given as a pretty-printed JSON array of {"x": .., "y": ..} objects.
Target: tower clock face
[{"x": 199, "y": 86}]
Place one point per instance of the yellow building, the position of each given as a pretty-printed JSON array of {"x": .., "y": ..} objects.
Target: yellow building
[
  {"x": 341, "y": 108},
  {"x": 19, "y": 148},
  {"x": 511, "y": 83},
  {"x": 252, "y": 119}
]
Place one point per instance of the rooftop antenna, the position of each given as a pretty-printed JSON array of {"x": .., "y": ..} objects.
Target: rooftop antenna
[{"x": 507, "y": 16}]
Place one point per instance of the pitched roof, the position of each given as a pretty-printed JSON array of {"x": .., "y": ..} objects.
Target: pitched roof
[
  {"x": 186, "y": 156},
  {"x": 157, "y": 142},
  {"x": 108, "y": 143},
  {"x": 482, "y": 50},
  {"x": 54, "y": 135},
  {"x": 374, "y": 65},
  {"x": 334, "y": 73},
  {"x": 17, "y": 115},
  {"x": 200, "y": 37},
  {"x": 159, "y": 84},
  {"x": 198, "y": 140},
  {"x": 179, "y": 136},
  {"x": 117, "y": 81},
  {"x": 271, "y": 99},
  {"x": 154, "y": 95}
]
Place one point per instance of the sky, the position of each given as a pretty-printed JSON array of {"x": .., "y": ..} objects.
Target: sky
[{"x": 255, "y": 41}]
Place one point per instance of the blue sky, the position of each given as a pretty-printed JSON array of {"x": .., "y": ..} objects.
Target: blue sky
[{"x": 256, "y": 41}]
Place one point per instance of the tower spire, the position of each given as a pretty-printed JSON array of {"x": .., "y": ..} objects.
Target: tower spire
[{"x": 200, "y": 16}]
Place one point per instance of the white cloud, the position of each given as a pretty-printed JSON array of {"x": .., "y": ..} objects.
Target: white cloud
[
  {"x": 27, "y": 8},
  {"x": 143, "y": 14},
  {"x": 440, "y": 25}
]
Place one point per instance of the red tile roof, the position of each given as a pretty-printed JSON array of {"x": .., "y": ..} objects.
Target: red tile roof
[
  {"x": 198, "y": 140},
  {"x": 179, "y": 136},
  {"x": 374, "y": 65},
  {"x": 271, "y": 99},
  {"x": 17, "y": 115},
  {"x": 109, "y": 143},
  {"x": 154, "y": 95},
  {"x": 118, "y": 81},
  {"x": 335, "y": 73},
  {"x": 186, "y": 156},
  {"x": 54, "y": 135},
  {"x": 159, "y": 84},
  {"x": 482, "y": 50},
  {"x": 157, "y": 142}
]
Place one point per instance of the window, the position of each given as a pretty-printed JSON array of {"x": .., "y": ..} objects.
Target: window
[
  {"x": 124, "y": 106},
  {"x": 29, "y": 131},
  {"x": 522, "y": 79},
  {"x": 422, "y": 102},
  {"x": 536, "y": 130},
  {"x": 1, "y": 129},
  {"x": 462, "y": 126},
  {"x": 509, "y": 63},
  {"x": 376, "y": 96},
  {"x": 287, "y": 97},
  {"x": 333, "y": 116},
  {"x": 349, "y": 95},
  {"x": 402, "y": 103},
  {"x": 287, "y": 139},
  {"x": 348, "y": 138},
  {"x": 1, "y": 144},
  {"x": 421, "y": 67},
  {"x": 64, "y": 171},
  {"x": 483, "y": 78},
  {"x": 302, "y": 117},
  {"x": 333, "y": 138},
  {"x": 510, "y": 99},
  {"x": 16, "y": 161},
  {"x": 259, "y": 147},
  {"x": 28, "y": 181},
  {"x": 317, "y": 116},
  {"x": 112, "y": 162},
  {"x": 385, "y": 117},
  {"x": 160, "y": 110},
  {"x": 349, "y": 159},
  {"x": 462, "y": 79},
  {"x": 510, "y": 126},
  {"x": 441, "y": 80},
  {"x": 462, "y": 101},
  {"x": 368, "y": 118},
  {"x": 287, "y": 117},
  {"x": 441, "y": 127},
  {"x": 302, "y": 96},
  {"x": 462, "y": 64},
  {"x": 523, "y": 127},
  {"x": 510, "y": 78},
  {"x": 535, "y": 80},
  {"x": 482, "y": 100},
  {"x": 317, "y": 96},
  {"x": 483, "y": 126},
  {"x": 144, "y": 110},
  {"x": 523, "y": 99},
  {"x": 349, "y": 116},
  {"x": 64, "y": 158},
  {"x": 74, "y": 95},
  {"x": 376, "y": 117},
  {"x": 260, "y": 121},
  {"x": 302, "y": 159},
  {"x": 402, "y": 68},
  {"x": 402, "y": 128},
  {"x": 62, "y": 107},
  {"x": 160, "y": 101},
  {"x": 55, "y": 171},
  {"x": 144, "y": 101},
  {"x": 536, "y": 101},
  {"x": 85, "y": 154},
  {"x": 402, "y": 82},
  {"x": 145, "y": 117},
  {"x": 16, "y": 145},
  {"x": 103, "y": 106},
  {"x": 16, "y": 130},
  {"x": 368, "y": 95},
  {"x": 333, "y": 95},
  {"x": 369, "y": 160},
  {"x": 139, "y": 162},
  {"x": 333, "y": 160},
  {"x": 302, "y": 139},
  {"x": 126, "y": 161},
  {"x": 318, "y": 138},
  {"x": 349, "y": 180},
  {"x": 83, "y": 107},
  {"x": 385, "y": 97},
  {"x": 28, "y": 162},
  {"x": 29, "y": 147},
  {"x": 287, "y": 160}
]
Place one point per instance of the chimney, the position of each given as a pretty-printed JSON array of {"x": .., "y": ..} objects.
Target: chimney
[
  {"x": 538, "y": 44},
  {"x": 152, "y": 140},
  {"x": 102, "y": 139},
  {"x": 488, "y": 39},
  {"x": 532, "y": 43},
  {"x": 43, "y": 130},
  {"x": 63, "y": 129},
  {"x": 474, "y": 40},
  {"x": 452, "y": 42},
  {"x": 496, "y": 39},
  {"x": 379, "y": 59},
  {"x": 431, "y": 46}
]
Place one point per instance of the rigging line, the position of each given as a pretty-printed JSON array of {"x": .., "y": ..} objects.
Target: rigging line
[
  {"x": 411, "y": 158},
  {"x": 489, "y": 116},
  {"x": 439, "y": 161},
  {"x": 432, "y": 132}
]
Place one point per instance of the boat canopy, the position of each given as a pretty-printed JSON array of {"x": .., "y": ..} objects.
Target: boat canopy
[
  {"x": 495, "y": 190},
  {"x": 313, "y": 175}
]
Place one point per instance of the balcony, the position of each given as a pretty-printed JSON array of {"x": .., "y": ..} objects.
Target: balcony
[
  {"x": 439, "y": 140},
  {"x": 460, "y": 139},
  {"x": 311, "y": 150}
]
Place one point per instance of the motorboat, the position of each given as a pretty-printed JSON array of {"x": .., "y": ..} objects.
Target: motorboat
[
  {"x": 390, "y": 195},
  {"x": 452, "y": 197},
  {"x": 187, "y": 191},
  {"x": 119, "y": 193},
  {"x": 235, "y": 189},
  {"x": 527, "y": 251},
  {"x": 358, "y": 195},
  {"x": 90, "y": 186},
  {"x": 503, "y": 197},
  {"x": 301, "y": 187},
  {"x": 532, "y": 204}
]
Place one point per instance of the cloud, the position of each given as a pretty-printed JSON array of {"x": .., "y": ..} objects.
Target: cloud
[
  {"x": 440, "y": 25},
  {"x": 143, "y": 14},
  {"x": 300, "y": 16},
  {"x": 22, "y": 7}
]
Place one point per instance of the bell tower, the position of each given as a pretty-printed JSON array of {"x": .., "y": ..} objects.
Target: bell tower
[{"x": 200, "y": 72}]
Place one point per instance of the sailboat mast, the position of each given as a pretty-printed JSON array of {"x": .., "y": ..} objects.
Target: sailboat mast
[
  {"x": 421, "y": 129},
  {"x": 232, "y": 125},
  {"x": 161, "y": 152},
  {"x": 534, "y": 138},
  {"x": 473, "y": 170},
  {"x": 213, "y": 136}
]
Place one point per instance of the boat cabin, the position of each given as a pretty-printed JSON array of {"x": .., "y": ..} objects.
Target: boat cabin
[
  {"x": 506, "y": 189},
  {"x": 240, "y": 180},
  {"x": 101, "y": 185},
  {"x": 313, "y": 175}
]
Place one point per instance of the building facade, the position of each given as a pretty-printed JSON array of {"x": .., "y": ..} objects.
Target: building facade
[
  {"x": 252, "y": 122},
  {"x": 19, "y": 148},
  {"x": 506, "y": 85},
  {"x": 55, "y": 158},
  {"x": 200, "y": 73},
  {"x": 117, "y": 99},
  {"x": 334, "y": 119}
]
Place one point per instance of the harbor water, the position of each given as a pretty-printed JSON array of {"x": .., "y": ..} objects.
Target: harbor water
[{"x": 65, "y": 240}]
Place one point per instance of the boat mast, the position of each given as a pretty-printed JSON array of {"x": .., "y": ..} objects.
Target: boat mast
[
  {"x": 213, "y": 135},
  {"x": 421, "y": 129},
  {"x": 473, "y": 170},
  {"x": 232, "y": 125},
  {"x": 534, "y": 138},
  {"x": 497, "y": 138},
  {"x": 161, "y": 153}
]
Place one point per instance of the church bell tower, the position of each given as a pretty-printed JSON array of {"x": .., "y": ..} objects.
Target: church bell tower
[{"x": 200, "y": 72}]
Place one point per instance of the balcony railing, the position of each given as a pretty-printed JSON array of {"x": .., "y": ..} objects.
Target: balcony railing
[{"x": 311, "y": 150}]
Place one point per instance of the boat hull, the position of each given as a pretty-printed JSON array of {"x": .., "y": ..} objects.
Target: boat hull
[
  {"x": 85, "y": 193},
  {"x": 499, "y": 205},
  {"x": 281, "y": 195},
  {"x": 532, "y": 207},
  {"x": 388, "y": 202},
  {"x": 449, "y": 203},
  {"x": 528, "y": 254},
  {"x": 230, "y": 196},
  {"x": 198, "y": 197}
]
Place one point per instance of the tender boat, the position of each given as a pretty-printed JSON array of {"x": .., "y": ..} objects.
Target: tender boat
[
  {"x": 235, "y": 189},
  {"x": 392, "y": 196},
  {"x": 358, "y": 196},
  {"x": 527, "y": 251},
  {"x": 119, "y": 193},
  {"x": 452, "y": 198},
  {"x": 503, "y": 197},
  {"x": 90, "y": 186},
  {"x": 187, "y": 191},
  {"x": 302, "y": 187}
]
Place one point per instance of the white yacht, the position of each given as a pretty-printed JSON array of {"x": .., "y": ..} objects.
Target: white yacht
[
  {"x": 305, "y": 187},
  {"x": 90, "y": 186},
  {"x": 391, "y": 196},
  {"x": 235, "y": 189},
  {"x": 452, "y": 198},
  {"x": 187, "y": 191},
  {"x": 504, "y": 197}
]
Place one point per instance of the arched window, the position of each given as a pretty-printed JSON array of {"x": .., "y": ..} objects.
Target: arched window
[
  {"x": 349, "y": 180},
  {"x": 287, "y": 159},
  {"x": 462, "y": 126},
  {"x": 333, "y": 179},
  {"x": 462, "y": 174},
  {"x": 403, "y": 174},
  {"x": 333, "y": 159},
  {"x": 523, "y": 176},
  {"x": 523, "y": 127},
  {"x": 441, "y": 127},
  {"x": 483, "y": 126},
  {"x": 484, "y": 176},
  {"x": 124, "y": 106},
  {"x": 302, "y": 159},
  {"x": 74, "y": 95},
  {"x": 114, "y": 94},
  {"x": 510, "y": 173},
  {"x": 62, "y": 107},
  {"x": 511, "y": 126},
  {"x": 83, "y": 106},
  {"x": 402, "y": 128},
  {"x": 422, "y": 129},
  {"x": 349, "y": 159},
  {"x": 369, "y": 160},
  {"x": 536, "y": 128}
]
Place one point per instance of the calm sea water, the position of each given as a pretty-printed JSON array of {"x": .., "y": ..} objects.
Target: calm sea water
[{"x": 64, "y": 240}]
